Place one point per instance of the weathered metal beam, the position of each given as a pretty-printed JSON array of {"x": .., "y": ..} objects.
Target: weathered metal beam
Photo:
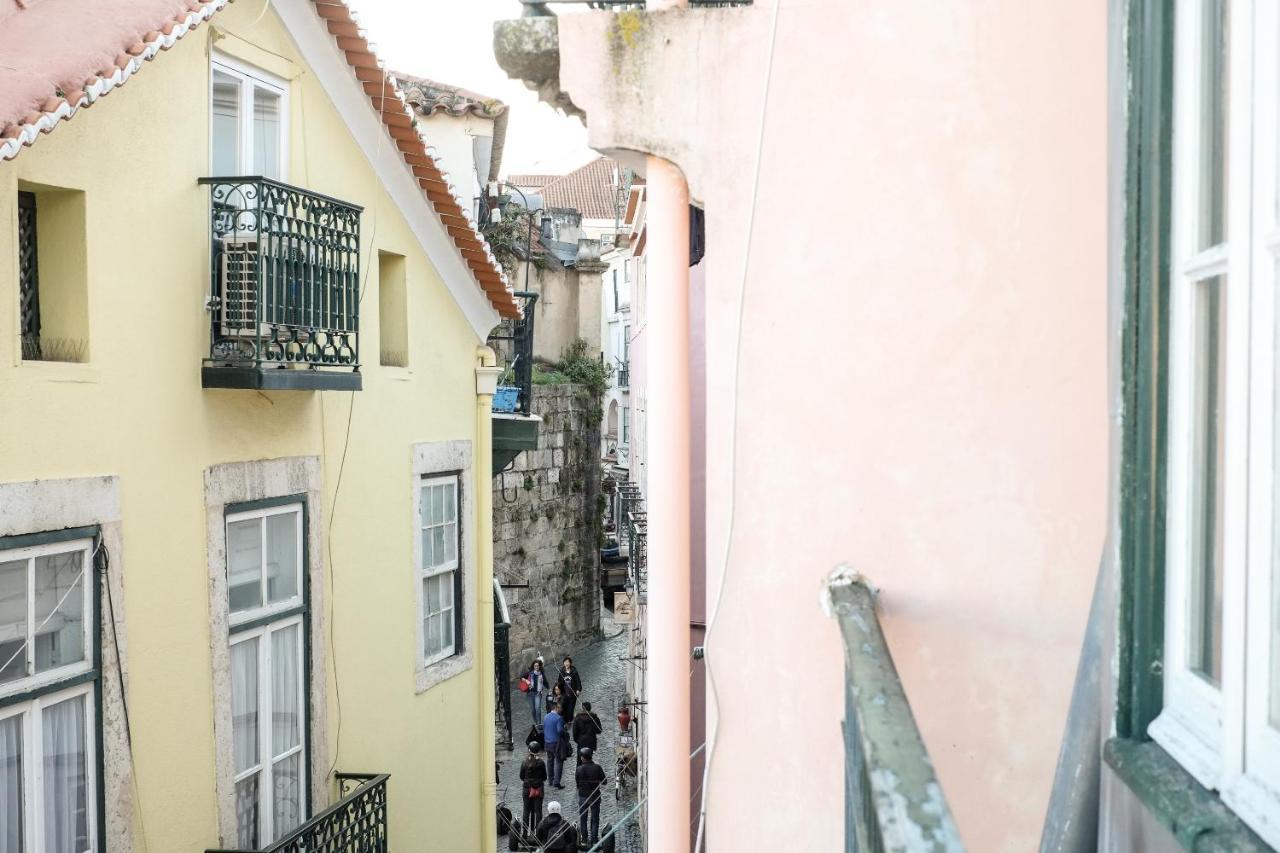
[{"x": 895, "y": 799}]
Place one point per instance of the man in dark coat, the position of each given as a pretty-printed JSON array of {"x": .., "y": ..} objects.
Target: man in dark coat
[
  {"x": 555, "y": 834},
  {"x": 590, "y": 778},
  {"x": 586, "y": 726}
]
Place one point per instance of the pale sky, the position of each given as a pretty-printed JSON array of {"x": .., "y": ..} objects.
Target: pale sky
[{"x": 451, "y": 41}]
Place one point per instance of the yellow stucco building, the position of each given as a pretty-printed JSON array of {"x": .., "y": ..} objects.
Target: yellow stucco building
[{"x": 245, "y": 449}]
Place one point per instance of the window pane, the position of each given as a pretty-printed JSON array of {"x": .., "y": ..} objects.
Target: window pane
[
  {"x": 1208, "y": 415},
  {"x": 244, "y": 704},
  {"x": 424, "y": 510},
  {"x": 286, "y": 690},
  {"x": 433, "y": 594},
  {"x": 282, "y": 556},
  {"x": 226, "y": 124},
  {"x": 451, "y": 542},
  {"x": 451, "y": 503},
  {"x": 428, "y": 556},
  {"x": 59, "y": 610},
  {"x": 446, "y": 629},
  {"x": 247, "y": 813},
  {"x": 437, "y": 505},
  {"x": 66, "y": 778},
  {"x": 266, "y": 133},
  {"x": 287, "y": 790},
  {"x": 244, "y": 564},
  {"x": 1213, "y": 123},
  {"x": 437, "y": 545},
  {"x": 13, "y": 620},
  {"x": 11, "y": 791}
]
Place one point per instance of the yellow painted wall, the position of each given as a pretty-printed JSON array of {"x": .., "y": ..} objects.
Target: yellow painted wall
[{"x": 136, "y": 409}]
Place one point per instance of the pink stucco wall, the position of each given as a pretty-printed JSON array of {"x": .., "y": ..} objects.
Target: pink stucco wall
[{"x": 922, "y": 384}]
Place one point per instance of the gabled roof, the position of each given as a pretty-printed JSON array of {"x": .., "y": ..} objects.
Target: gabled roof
[
  {"x": 61, "y": 56},
  {"x": 428, "y": 98},
  {"x": 591, "y": 189}
]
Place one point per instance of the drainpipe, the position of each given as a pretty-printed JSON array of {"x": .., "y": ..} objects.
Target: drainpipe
[
  {"x": 668, "y": 504},
  {"x": 487, "y": 372}
]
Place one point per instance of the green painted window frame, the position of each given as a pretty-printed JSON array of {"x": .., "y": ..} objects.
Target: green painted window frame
[{"x": 1196, "y": 816}]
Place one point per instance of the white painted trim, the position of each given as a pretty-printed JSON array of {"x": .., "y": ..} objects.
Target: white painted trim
[
  {"x": 318, "y": 48},
  {"x": 251, "y": 77}
]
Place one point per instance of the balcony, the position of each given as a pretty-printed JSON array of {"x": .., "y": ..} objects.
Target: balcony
[
  {"x": 892, "y": 797},
  {"x": 515, "y": 427},
  {"x": 284, "y": 288},
  {"x": 624, "y": 375},
  {"x": 356, "y": 823}
]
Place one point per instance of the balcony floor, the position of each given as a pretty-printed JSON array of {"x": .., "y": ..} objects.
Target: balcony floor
[{"x": 279, "y": 379}]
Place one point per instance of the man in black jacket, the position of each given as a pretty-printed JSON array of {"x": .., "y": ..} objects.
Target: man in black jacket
[
  {"x": 555, "y": 834},
  {"x": 590, "y": 778},
  {"x": 586, "y": 726}
]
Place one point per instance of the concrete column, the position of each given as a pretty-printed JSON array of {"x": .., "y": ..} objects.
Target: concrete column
[
  {"x": 487, "y": 373},
  {"x": 667, "y": 504}
]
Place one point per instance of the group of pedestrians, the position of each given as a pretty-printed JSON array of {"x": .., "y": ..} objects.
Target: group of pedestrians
[{"x": 552, "y": 739}]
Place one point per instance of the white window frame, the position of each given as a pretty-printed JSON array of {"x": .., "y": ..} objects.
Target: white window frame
[
  {"x": 250, "y": 77},
  {"x": 33, "y": 762},
  {"x": 452, "y": 567},
  {"x": 53, "y": 676},
  {"x": 265, "y": 610},
  {"x": 626, "y": 425},
  {"x": 1222, "y": 736},
  {"x": 267, "y": 760}
]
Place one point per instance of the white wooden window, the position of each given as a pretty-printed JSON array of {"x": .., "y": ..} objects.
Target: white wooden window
[
  {"x": 1221, "y": 715},
  {"x": 268, "y": 691},
  {"x": 48, "y": 758},
  {"x": 438, "y": 568},
  {"x": 249, "y": 121}
]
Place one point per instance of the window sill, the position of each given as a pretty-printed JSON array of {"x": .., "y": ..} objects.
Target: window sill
[
  {"x": 430, "y": 675},
  {"x": 1198, "y": 819},
  {"x": 60, "y": 371}
]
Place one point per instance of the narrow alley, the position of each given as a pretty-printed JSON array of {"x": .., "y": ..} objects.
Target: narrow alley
[{"x": 602, "y": 664}]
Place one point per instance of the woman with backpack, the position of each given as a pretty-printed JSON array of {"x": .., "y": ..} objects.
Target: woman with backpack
[
  {"x": 533, "y": 778},
  {"x": 533, "y": 682}
]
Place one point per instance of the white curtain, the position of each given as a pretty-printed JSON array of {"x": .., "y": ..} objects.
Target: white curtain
[
  {"x": 11, "y": 802},
  {"x": 286, "y": 727},
  {"x": 244, "y": 736},
  {"x": 66, "y": 788}
]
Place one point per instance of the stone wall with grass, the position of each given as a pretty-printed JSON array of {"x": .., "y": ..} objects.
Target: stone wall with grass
[{"x": 546, "y": 525}]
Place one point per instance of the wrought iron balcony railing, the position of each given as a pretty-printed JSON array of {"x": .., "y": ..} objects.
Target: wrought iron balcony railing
[
  {"x": 284, "y": 293},
  {"x": 893, "y": 801},
  {"x": 624, "y": 375},
  {"x": 356, "y": 823}
]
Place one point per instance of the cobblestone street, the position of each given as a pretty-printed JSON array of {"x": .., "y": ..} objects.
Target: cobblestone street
[{"x": 603, "y": 672}]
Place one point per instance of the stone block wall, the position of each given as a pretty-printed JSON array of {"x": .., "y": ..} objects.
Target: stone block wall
[{"x": 546, "y": 529}]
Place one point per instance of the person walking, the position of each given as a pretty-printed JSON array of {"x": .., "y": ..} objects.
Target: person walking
[
  {"x": 536, "y": 689},
  {"x": 552, "y": 734},
  {"x": 584, "y": 728},
  {"x": 555, "y": 697},
  {"x": 555, "y": 834},
  {"x": 533, "y": 778},
  {"x": 570, "y": 686},
  {"x": 590, "y": 778}
]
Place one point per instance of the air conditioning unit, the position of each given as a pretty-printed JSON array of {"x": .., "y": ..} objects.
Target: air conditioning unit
[{"x": 238, "y": 287}]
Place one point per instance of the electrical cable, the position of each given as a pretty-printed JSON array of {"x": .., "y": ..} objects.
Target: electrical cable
[
  {"x": 346, "y": 445},
  {"x": 733, "y": 432}
]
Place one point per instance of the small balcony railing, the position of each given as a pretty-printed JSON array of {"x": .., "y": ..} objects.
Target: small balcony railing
[
  {"x": 624, "y": 375},
  {"x": 357, "y": 823},
  {"x": 893, "y": 801},
  {"x": 284, "y": 298}
]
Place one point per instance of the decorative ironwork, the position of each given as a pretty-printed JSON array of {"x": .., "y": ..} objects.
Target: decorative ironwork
[
  {"x": 624, "y": 375},
  {"x": 501, "y": 668},
  {"x": 28, "y": 277},
  {"x": 636, "y": 519},
  {"x": 893, "y": 801},
  {"x": 285, "y": 277},
  {"x": 517, "y": 351},
  {"x": 357, "y": 823}
]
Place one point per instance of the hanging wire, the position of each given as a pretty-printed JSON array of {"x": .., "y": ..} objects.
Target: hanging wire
[{"x": 733, "y": 435}]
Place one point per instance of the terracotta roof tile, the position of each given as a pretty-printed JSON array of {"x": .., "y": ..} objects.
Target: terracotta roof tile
[
  {"x": 535, "y": 182},
  {"x": 428, "y": 97},
  {"x": 589, "y": 189},
  {"x": 63, "y": 55}
]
